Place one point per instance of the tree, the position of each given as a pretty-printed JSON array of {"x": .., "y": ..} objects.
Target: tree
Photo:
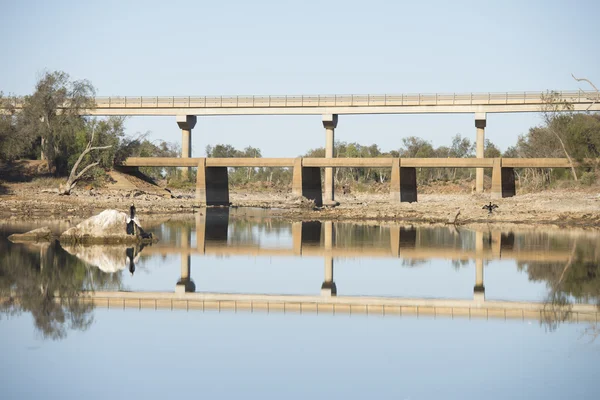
[
  {"x": 554, "y": 121},
  {"x": 12, "y": 145},
  {"x": 74, "y": 177},
  {"x": 53, "y": 113}
]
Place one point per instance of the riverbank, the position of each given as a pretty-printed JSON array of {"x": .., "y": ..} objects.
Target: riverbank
[{"x": 562, "y": 207}]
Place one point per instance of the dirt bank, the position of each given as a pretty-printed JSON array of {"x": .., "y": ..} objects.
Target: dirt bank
[{"x": 558, "y": 207}]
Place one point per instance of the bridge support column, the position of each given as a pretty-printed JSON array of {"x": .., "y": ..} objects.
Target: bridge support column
[
  {"x": 306, "y": 182},
  {"x": 503, "y": 180},
  {"x": 212, "y": 185},
  {"x": 330, "y": 123},
  {"x": 403, "y": 183},
  {"x": 480, "y": 123},
  {"x": 186, "y": 124},
  {"x": 328, "y": 288}
]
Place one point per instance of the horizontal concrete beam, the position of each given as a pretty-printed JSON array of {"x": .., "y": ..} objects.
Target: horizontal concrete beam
[
  {"x": 351, "y": 162},
  {"x": 210, "y": 162},
  {"x": 537, "y": 163}
]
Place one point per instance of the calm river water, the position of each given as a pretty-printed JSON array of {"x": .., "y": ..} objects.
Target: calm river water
[{"x": 235, "y": 304}]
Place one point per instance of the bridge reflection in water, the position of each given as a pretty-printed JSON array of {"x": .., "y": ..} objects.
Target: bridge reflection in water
[{"x": 318, "y": 239}]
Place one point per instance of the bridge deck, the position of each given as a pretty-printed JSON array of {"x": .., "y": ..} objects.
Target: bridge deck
[{"x": 336, "y": 104}]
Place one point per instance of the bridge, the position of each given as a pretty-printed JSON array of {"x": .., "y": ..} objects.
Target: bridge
[
  {"x": 187, "y": 108},
  {"x": 212, "y": 186}
]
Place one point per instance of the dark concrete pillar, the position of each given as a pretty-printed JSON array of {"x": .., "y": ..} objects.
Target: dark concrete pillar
[
  {"x": 403, "y": 183},
  {"x": 212, "y": 185},
  {"x": 306, "y": 182},
  {"x": 503, "y": 180}
]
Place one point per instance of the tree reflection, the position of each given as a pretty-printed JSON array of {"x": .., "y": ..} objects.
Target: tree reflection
[
  {"x": 46, "y": 281},
  {"x": 575, "y": 281}
]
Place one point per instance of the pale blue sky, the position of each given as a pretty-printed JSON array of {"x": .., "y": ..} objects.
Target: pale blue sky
[{"x": 310, "y": 47}]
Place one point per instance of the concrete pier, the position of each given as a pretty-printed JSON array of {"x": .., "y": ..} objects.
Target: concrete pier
[
  {"x": 186, "y": 124},
  {"x": 330, "y": 123},
  {"x": 503, "y": 180},
  {"x": 480, "y": 123},
  {"x": 403, "y": 183},
  {"x": 306, "y": 182},
  {"x": 212, "y": 185}
]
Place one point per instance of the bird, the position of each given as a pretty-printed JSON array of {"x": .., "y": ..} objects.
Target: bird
[
  {"x": 131, "y": 223},
  {"x": 490, "y": 207}
]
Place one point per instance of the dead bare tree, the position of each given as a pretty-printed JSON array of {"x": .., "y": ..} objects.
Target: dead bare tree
[
  {"x": 552, "y": 105},
  {"x": 74, "y": 177},
  {"x": 593, "y": 99}
]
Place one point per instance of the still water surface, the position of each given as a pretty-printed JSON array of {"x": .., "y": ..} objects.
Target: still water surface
[{"x": 237, "y": 304}]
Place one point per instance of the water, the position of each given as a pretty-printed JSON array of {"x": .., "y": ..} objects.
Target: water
[{"x": 238, "y": 304}]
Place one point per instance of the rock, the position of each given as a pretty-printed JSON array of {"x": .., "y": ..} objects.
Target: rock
[
  {"x": 36, "y": 235},
  {"x": 110, "y": 226}
]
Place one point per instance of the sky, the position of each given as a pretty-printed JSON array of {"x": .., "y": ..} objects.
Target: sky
[{"x": 158, "y": 48}]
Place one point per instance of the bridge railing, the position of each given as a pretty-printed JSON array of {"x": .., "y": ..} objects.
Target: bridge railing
[{"x": 351, "y": 100}]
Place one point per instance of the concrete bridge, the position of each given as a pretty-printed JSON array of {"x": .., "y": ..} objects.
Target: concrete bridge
[
  {"x": 187, "y": 108},
  {"x": 212, "y": 178}
]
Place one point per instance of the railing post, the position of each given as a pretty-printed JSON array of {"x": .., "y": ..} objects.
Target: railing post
[
  {"x": 173, "y": 101},
  {"x": 109, "y": 99},
  {"x": 189, "y": 101},
  {"x": 156, "y": 101},
  {"x": 125, "y": 101}
]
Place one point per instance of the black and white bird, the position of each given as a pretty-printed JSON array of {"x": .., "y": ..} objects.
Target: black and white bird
[
  {"x": 131, "y": 222},
  {"x": 490, "y": 207}
]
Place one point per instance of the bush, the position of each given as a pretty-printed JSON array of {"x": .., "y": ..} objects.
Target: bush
[{"x": 588, "y": 178}]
